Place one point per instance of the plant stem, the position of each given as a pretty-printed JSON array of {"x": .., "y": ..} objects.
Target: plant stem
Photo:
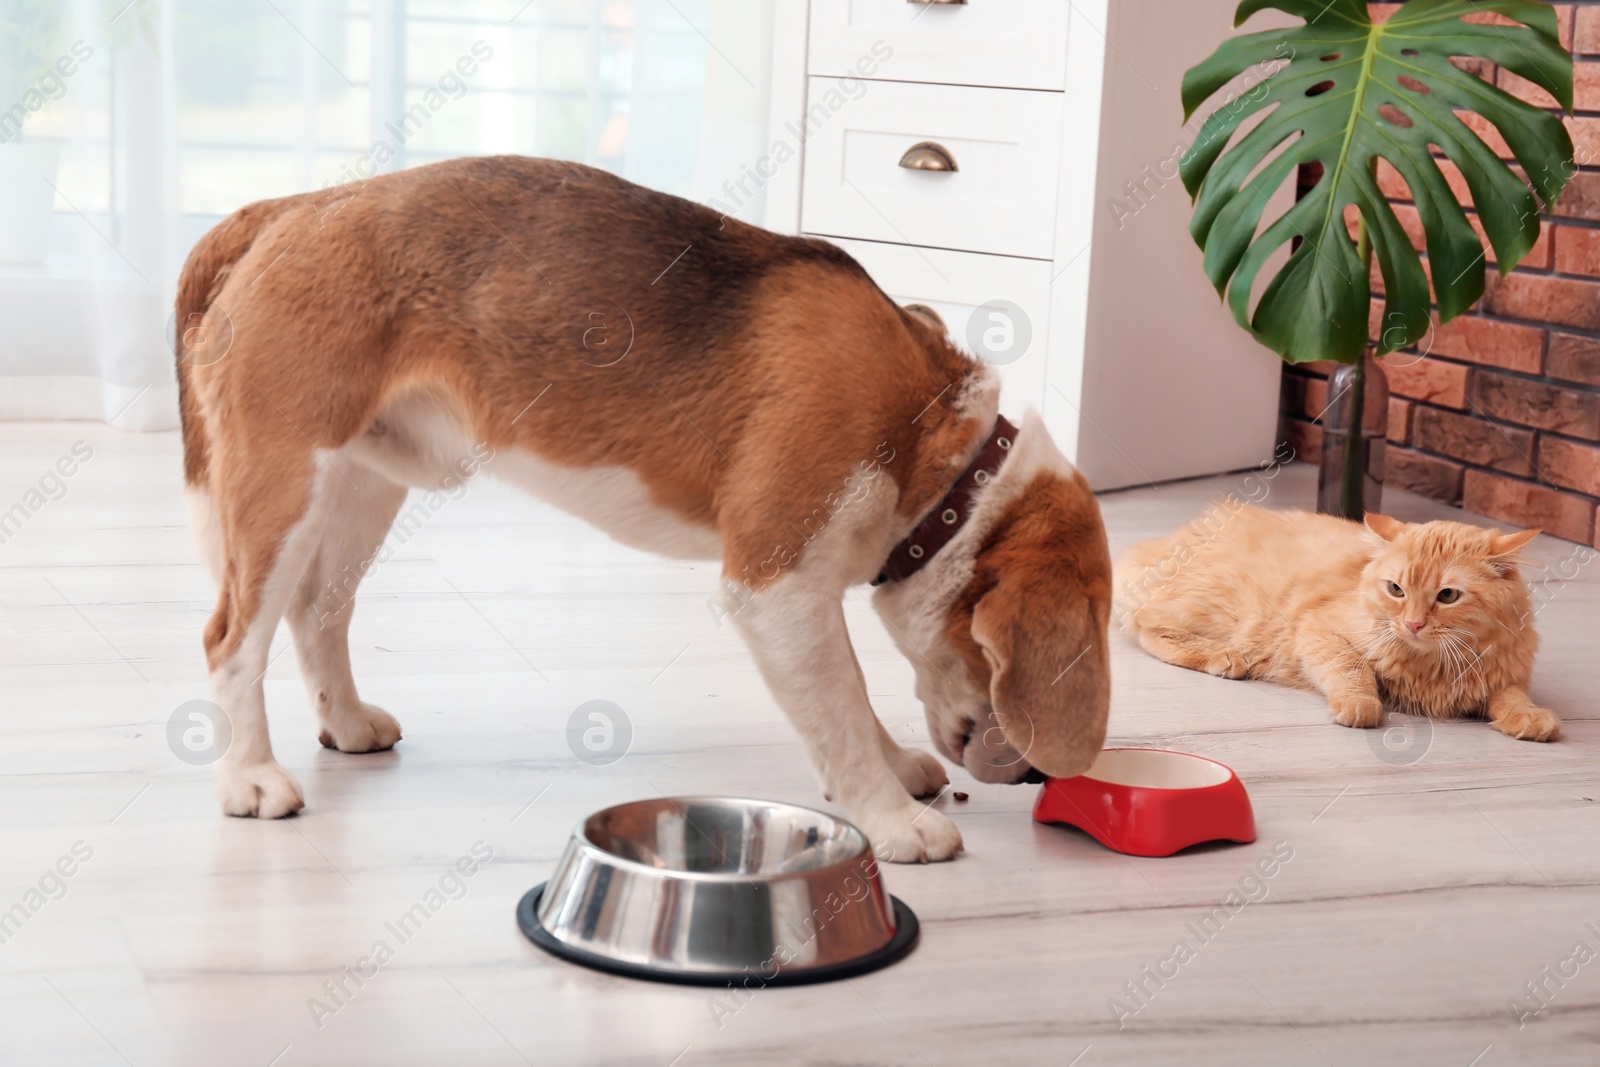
[{"x": 1353, "y": 476}]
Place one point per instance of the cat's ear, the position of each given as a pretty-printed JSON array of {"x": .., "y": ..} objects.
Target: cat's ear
[
  {"x": 1384, "y": 526},
  {"x": 1504, "y": 544},
  {"x": 1503, "y": 547}
]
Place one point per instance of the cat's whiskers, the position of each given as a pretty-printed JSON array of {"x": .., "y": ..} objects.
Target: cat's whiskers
[
  {"x": 1445, "y": 642},
  {"x": 1459, "y": 632},
  {"x": 1445, "y": 658},
  {"x": 1462, "y": 644},
  {"x": 1373, "y": 641},
  {"x": 1362, "y": 637},
  {"x": 1469, "y": 664},
  {"x": 1452, "y": 656},
  {"x": 1453, "y": 650}
]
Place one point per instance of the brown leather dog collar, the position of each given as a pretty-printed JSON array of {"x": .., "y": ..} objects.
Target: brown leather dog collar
[{"x": 942, "y": 524}]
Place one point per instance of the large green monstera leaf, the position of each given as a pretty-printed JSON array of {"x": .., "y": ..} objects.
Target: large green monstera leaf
[{"x": 1352, "y": 91}]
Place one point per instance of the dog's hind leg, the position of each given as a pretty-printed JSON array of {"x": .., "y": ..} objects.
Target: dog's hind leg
[
  {"x": 270, "y": 507},
  {"x": 360, "y": 507}
]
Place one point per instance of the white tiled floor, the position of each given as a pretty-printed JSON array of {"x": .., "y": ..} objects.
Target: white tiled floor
[{"x": 1422, "y": 893}]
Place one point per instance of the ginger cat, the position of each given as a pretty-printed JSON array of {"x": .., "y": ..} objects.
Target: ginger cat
[{"x": 1428, "y": 618}]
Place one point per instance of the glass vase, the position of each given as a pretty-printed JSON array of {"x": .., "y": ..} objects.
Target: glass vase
[{"x": 1348, "y": 388}]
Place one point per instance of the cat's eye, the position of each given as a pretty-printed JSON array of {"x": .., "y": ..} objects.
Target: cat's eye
[
  {"x": 1449, "y": 596},
  {"x": 1394, "y": 589}
]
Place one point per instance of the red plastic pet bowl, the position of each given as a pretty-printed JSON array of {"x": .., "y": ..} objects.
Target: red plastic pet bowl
[{"x": 1151, "y": 802}]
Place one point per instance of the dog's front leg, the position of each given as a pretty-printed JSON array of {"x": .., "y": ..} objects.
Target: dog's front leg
[{"x": 797, "y": 633}]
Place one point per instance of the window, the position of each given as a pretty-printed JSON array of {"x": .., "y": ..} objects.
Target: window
[{"x": 230, "y": 101}]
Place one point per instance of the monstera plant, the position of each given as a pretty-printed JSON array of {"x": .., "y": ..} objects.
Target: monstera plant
[{"x": 1341, "y": 91}]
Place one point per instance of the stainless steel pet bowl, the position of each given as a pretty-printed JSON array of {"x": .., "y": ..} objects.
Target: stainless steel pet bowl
[{"x": 712, "y": 890}]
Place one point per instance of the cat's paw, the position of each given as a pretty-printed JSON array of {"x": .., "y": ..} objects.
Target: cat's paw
[
  {"x": 1530, "y": 724},
  {"x": 1228, "y": 664},
  {"x": 1359, "y": 710}
]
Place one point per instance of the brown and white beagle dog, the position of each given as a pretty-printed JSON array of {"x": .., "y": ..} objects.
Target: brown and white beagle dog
[{"x": 690, "y": 385}]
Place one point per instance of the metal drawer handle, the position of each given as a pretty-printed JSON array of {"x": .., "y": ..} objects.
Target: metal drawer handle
[
  {"x": 936, "y": 1},
  {"x": 929, "y": 155}
]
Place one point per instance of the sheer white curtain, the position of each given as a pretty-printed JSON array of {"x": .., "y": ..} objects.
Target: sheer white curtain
[{"x": 129, "y": 127}]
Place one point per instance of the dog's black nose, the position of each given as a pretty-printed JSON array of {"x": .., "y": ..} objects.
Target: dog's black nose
[{"x": 1034, "y": 777}]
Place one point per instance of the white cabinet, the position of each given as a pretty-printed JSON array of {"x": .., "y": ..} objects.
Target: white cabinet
[
  {"x": 1020, "y": 43},
  {"x": 1001, "y": 145},
  {"x": 1025, "y": 151}
]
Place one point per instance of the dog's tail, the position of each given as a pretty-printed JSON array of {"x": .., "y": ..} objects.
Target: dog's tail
[
  {"x": 197, "y": 340},
  {"x": 201, "y": 338}
]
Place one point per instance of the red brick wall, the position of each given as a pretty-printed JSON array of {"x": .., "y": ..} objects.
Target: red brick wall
[{"x": 1499, "y": 410}]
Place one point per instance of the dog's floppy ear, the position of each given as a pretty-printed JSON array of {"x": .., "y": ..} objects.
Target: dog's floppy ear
[
  {"x": 1042, "y": 624},
  {"x": 1050, "y": 672},
  {"x": 927, "y": 315}
]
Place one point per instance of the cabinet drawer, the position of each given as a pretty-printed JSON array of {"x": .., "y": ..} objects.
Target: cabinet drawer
[
  {"x": 957, "y": 285},
  {"x": 1019, "y": 44},
  {"x": 1005, "y": 145}
]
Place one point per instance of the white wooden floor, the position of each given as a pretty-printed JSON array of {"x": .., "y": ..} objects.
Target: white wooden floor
[{"x": 1421, "y": 897}]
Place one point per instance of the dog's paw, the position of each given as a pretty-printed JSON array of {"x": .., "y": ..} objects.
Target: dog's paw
[
  {"x": 912, "y": 834},
  {"x": 364, "y": 728},
  {"x": 1530, "y": 724},
  {"x": 1360, "y": 710},
  {"x": 920, "y": 772},
  {"x": 258, "y": 790}
]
